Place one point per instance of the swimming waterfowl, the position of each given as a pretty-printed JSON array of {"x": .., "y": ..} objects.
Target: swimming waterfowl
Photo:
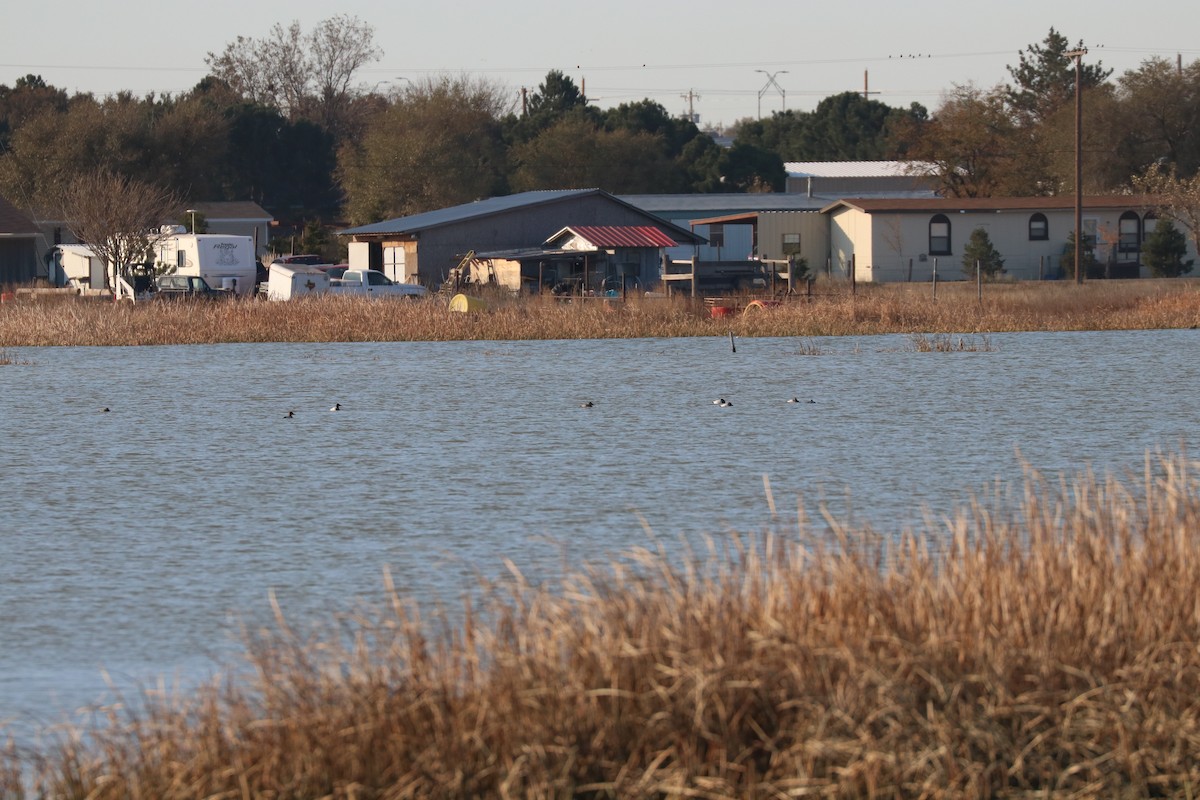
[
  {"x": 290, "y": 414},
  {"x": 336, "y": 407},
  {"x": 588, "y": 404}
]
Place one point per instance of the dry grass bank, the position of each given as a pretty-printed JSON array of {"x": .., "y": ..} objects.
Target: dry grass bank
[
  {"x": 1098, "y": 305},
  {"x": 1049, "y": 648}
]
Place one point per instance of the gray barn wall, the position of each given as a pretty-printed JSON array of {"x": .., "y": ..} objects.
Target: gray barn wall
[{"x": 440, "y": 249}]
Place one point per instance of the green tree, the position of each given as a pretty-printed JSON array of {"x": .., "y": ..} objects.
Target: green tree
[
  {"x": 980, "y": 251},
  {"x": 1091, "y": 265},
  {"x": 437, "y": 145},
  {"x": 1164, "y": 251},
  {"x": 1159, "y": 118},
  {"x": 1045, "y": 78},
  {"x": 574, "y": 153},
  {"x": 556, "y": 98}
]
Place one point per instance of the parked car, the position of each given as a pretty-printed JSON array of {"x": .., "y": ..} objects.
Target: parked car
[
  {"x": 311, "y": 259},
  {"x": 334, "y": 270},
  {"x": 186, "y": 287}
]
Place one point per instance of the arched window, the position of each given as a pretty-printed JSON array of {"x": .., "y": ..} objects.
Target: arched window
[
  {"x": 1129, "y": 233},
  {"x": 1149, "y": 222},
  {"x": 939, "y": 235},
  {"x": 1039, "y": 228}
]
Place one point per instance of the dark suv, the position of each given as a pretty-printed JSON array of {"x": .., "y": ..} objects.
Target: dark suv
[{"x": 181, "y": 287}]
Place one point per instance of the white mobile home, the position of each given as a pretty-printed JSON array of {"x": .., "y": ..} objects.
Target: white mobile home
[
  {"x": 224, "y": 261},
  {"x": 903, "y": 239}
]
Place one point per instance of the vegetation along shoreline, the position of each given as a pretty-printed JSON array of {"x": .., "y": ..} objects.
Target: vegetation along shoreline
[{"x": 834, "y": 309}]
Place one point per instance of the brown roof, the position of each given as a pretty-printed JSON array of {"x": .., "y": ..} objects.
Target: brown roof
[
  {"x": 15, "y": 223},
  {"x": 927, "y": 204}
]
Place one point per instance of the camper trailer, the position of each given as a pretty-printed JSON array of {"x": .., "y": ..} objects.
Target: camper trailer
[{"x": 225, "y": 262}]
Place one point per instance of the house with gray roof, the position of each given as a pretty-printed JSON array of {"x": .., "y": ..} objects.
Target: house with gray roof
[
  {"x": 426, "y": 248},
  {"x": 237, "y": 218}
]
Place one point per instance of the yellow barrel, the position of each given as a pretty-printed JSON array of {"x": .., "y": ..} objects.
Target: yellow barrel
[{"x": 466, "y": 303}]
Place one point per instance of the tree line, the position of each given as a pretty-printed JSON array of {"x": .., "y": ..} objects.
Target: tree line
[{"x": 285, "y": 121}]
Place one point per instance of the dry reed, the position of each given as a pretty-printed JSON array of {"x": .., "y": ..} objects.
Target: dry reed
[
  {"x": 1049, "y": 646},
  {"x": 834, "y": 310}
]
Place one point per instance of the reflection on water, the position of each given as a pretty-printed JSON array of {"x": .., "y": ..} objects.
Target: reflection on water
[{"x": 136, "y": 540}]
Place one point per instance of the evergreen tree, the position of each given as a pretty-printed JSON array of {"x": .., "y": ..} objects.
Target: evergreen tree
[
  {"x": 980, "y": 249},
  {"x": 1164, "y": 250},
  {"x": 1045, "y": 77}
]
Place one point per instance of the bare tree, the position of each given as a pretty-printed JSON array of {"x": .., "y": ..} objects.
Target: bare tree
[
  {"x": 242, "y": 68},
  {"x": 341, "y": 46},
  {"x": 118, "y": 218},
  {"x": 303, "y": 75},
  {"x": 1177, "y": 199}
]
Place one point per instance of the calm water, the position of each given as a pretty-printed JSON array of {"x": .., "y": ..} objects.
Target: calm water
[{"x": 134, "y": 541}]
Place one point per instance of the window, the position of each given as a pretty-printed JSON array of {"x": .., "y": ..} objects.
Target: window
[
  {"x": 1129, "y": 233},
  {"x": 716, "y": 235},
  {"x": 791, "y": 244},
  {"x": 1149, "y": 223},
  {"x": 1039, "y": 228},
  {"x": 939, "y": 235}
]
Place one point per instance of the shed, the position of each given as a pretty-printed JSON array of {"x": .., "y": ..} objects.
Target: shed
[{"x": 612, "y": 258}]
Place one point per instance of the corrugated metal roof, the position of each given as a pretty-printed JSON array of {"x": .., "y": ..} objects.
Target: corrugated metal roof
[
  {"x": 955, "y": 204},
  {"x": 852, "y": 169},
  {"x": 735, "y": 203},
  {"x": 466, "y": 211},
  {"x": 619, "y": 235}
]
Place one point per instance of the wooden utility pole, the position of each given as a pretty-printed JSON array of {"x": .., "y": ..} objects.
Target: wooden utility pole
[
  {"x": 1079, "y": 162},
  {"x": 866, "y": 87},
  {"x": 691, "y": 97}
]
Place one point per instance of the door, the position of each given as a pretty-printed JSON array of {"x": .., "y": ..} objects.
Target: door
[
  {"x": 393, "y": 264},
  {"x": 96, "y": 273}
]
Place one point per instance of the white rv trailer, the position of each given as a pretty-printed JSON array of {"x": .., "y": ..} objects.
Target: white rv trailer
[{"x": 224, "y": 261}]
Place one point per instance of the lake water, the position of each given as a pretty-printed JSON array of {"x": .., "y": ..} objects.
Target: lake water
[{"x": 133, "y": 541}]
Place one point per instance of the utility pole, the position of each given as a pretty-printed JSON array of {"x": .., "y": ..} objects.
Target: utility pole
[
  {"x": 690, "y": 97},
  {"x": 1077, "y": 54},
  {"x": 771, "y": 82},
  {"x": 866, "y": 92}
]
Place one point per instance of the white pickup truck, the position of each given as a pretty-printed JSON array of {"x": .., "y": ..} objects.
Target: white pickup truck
[{"x": 372, "y": 283}]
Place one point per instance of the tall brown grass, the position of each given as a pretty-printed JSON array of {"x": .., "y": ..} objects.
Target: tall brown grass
[
  {"x": 833, "y": 310},
  {"x": 1043, "y": 643}
]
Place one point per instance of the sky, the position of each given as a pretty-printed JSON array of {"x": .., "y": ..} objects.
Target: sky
[{"x": 722, "y": 61}]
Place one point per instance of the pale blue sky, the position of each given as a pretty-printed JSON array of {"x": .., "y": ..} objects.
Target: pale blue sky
[{"x": 620, "y": 50}]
